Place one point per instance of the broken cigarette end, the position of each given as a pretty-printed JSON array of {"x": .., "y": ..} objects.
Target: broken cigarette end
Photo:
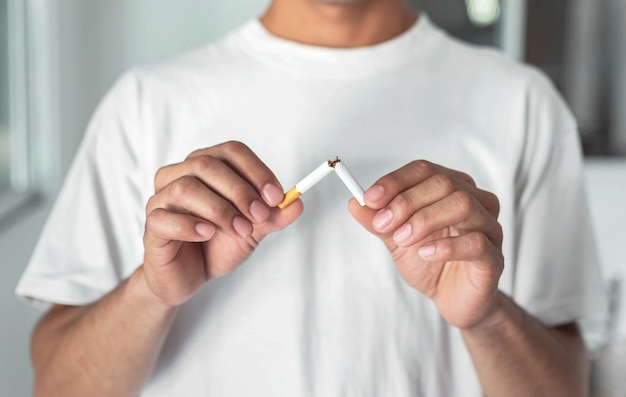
[
  {"x": 333, "y": 163},
  {"x": 291, "y": 196}
]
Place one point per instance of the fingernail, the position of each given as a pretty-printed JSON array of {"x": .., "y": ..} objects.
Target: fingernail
[
  {"x": 374, "y": 193},
  {"x": 242, "y": 226},
  {"x": 403, "y": 233},
  {"x": 382, "y": 219},
  {"x": 205, "y": 229},
  {"x": 427, "y": 250},
  {"x": 272, "y": 194},
  {"x": 259, "y": 211}
]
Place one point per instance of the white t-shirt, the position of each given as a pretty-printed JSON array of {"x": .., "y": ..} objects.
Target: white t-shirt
[{"x": 319, "y": 309}]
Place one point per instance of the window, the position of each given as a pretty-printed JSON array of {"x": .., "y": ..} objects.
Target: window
[
  {"x": 475, "y": 21},
  {"x": 579, "y": 44},
  {"x": 15, "y": 163},
  {"x": 5, "y": 143}
]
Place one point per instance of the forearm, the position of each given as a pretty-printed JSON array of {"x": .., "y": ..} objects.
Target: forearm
[
  {"x": 108, "y": 348},
  {"x": 516, "y": 355}
]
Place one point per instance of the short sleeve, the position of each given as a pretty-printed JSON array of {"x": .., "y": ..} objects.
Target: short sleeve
[
  {"x": 91, "y": 239},
  {"x": 557, "y": 278}
]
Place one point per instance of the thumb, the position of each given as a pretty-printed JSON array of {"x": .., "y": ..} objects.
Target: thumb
[{"x": 364, "y": 215}]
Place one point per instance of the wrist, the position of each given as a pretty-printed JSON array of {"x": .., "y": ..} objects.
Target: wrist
[
  {"x": 137, "y": 285},
  {"x": 498, "y": 320}
]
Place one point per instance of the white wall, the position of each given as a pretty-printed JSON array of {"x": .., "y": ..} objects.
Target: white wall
[{"x": 81, "y": 47}]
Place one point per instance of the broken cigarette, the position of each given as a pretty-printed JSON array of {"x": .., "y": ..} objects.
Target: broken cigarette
[
  {"x": 320, "y": 173},
  {"x": 350, "y": 182}
]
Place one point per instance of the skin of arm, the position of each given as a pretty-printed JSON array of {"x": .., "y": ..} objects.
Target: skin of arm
[
  {"x": 516, "y": 355},
  {"x": 125, "y": 331}
]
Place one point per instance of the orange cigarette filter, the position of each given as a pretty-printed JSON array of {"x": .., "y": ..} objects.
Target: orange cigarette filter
[{"x": 291, "y": 196}]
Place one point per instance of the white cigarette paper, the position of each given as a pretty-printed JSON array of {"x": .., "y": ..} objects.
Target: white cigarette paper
[
  {"x": 350, "y": 182},
  {"x": 320, "y": 173},
  {"x": 317, "y": 175},
  {"x": 308, "y": 182}
]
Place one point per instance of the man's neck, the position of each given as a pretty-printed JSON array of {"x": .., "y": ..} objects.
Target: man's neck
[{"x": 356, "y": 24}]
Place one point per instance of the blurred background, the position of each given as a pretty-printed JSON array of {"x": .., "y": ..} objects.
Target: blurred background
[{"x": 59, "y": 57}]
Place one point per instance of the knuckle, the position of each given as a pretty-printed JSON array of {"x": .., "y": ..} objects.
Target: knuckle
[
  {"x": 176, "y": 229},
  {"x": 477, "y": 242},
  {"x": 392, "y": 180},
  {"x": 220, "y": 211},
  {"x": 182, "y": 187},
  {"x": 202, "y": 164},
  {"x": 402, "y": 200},
  {"x": 464, "y": 202},
  {"x": 422, "y": 167},
  {"x": 500, "y": 262},
  {"x": 158, "y": 223},
  {"x": 240, "y": 192},
  {"x": 468, "y": 178},
  {"x": 446, "y": 248},
  {"x": 151, "y": 205},
  {"x": 443, "y": 183},
  {"x": 494, "y": 202},
  {"x": 499, "y": 234},
  {"x": 234, "y": 147},
  {"x": 159, "y": 177},
  {"x": 153, "y": 218},
  {"x": 421, "y": 220}
]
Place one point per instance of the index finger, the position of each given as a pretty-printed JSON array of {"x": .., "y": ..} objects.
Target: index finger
[
  {"x": 238, "y": 157},
  {"x": 389, "y": 186}
]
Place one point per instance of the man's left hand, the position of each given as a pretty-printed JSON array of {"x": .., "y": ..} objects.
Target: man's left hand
[{"x": 443, "y": 234}]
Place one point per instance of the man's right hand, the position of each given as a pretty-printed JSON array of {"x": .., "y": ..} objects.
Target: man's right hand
[{"x": 207, "y": 216}]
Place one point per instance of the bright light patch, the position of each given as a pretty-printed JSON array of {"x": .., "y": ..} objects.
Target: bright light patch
[{"x": 483, "y": 12}]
